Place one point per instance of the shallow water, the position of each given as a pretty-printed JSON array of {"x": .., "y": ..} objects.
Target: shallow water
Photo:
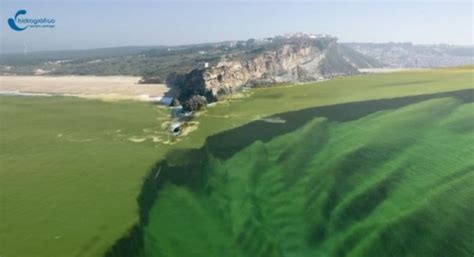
[{"x": 376, "y": 178}]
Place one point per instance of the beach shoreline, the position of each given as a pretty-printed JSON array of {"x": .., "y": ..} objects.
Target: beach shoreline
[{"x": 93, "y": 87}]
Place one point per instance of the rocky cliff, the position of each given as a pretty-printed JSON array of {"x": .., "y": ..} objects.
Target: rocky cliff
[{"x": 274, "y": 60}]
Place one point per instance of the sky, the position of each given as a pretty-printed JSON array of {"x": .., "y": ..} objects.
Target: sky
[{"x": 109, "y": 23}]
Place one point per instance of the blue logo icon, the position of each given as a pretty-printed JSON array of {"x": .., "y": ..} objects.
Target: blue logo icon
[
  {"x": 19, "y": 23},
  {"x": 12, "y": 22}
]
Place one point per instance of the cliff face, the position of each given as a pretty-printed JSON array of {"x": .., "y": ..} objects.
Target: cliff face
[
  {"x": 286, "y": 60},
  {"x": 288, "y": 63}
]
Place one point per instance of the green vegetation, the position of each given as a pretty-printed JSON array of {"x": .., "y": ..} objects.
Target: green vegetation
[
  {"x": 157, "y": 64},
  {"x": 152, "y": 61},
  {"x": 72, "y": 169},
  {"x": 136, "y": 61}
]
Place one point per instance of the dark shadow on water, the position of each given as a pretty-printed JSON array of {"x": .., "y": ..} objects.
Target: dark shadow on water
[
  {"x": 187, "y": 168},
  {"x": 237, "y": 139}
]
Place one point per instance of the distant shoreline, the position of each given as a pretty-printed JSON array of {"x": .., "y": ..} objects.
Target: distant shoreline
[
  {"x": 107, "y": 88},
  {"x": 387, "y": 70}
]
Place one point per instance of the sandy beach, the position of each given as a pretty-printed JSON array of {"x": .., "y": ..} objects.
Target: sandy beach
[{"x": 105, "y": 88}]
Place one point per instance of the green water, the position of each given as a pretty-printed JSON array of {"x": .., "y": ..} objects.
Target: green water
[
  {"x": 71, "y": 169},
  {"x": 395, "y": 182},
  {"x": 69, "y": 175}
]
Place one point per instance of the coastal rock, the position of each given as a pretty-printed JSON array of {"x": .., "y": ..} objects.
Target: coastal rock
[{"x": 276, "y": 60}]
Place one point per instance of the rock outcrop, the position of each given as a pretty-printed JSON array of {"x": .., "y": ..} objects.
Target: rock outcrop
[{"x": 275, "y": 60}]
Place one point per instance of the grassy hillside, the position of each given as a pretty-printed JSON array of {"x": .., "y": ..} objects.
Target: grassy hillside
[{"x": 71, "y": 169}]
